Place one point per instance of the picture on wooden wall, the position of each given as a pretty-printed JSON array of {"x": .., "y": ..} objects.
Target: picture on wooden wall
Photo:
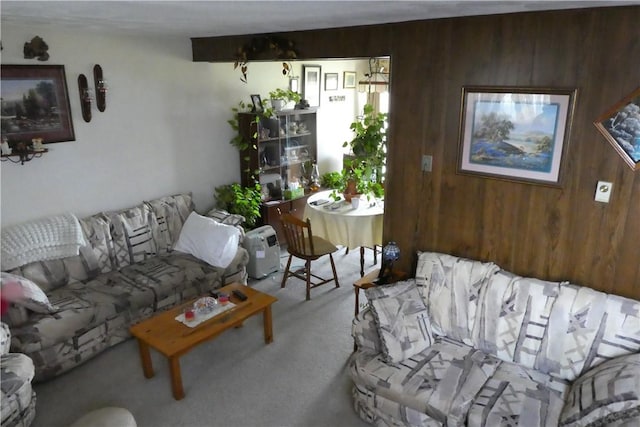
[
  {"x": 620, "y": 125},
  {"x": 35, "y": 104},
  {"x": 516, "y": 134}
]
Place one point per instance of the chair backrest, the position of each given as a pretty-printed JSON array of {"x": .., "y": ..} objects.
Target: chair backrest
[{"x": 297, "y": 234}]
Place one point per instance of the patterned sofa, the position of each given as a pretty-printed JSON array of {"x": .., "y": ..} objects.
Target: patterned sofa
[
  {"x": 466, "y": 343},
  {"x": 126, "y": 273},
  {"x": 18, "y": 400}
]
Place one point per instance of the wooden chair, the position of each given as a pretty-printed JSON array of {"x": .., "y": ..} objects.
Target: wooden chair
[{"x": 301, "y": 243}]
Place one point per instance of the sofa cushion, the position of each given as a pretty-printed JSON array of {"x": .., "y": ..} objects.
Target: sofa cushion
[
  {"x": 607, "y": 393},
  {"x": 450, "y": 287},
  {"x": 24, "y": 292},
  {"x": 441, "y": 381},
  {"x": 98, "y": 256},
  {"x": 589, "y": 327},
  {"x": 208, "y": 240},
  {"x": 131, "y": 230},
  {"x": 513, "y": 318},
  {"x": 80, "y": 307},
  {"x": 515, "y": 395},
  {"x": 171, "y": 212},
  {"x": 401, "y": 319}
]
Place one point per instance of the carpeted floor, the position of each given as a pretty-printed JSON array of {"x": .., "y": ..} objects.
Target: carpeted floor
[{"x": 301, "y": 379}]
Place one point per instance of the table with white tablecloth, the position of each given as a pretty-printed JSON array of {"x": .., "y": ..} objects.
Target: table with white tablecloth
[{"x": 341, "y": 224}]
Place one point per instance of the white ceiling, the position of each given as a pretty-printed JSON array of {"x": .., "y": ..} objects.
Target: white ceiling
[{"x": 219, "y": 18}]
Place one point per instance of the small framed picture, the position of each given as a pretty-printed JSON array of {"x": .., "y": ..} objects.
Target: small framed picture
[
  {"x": 349, "y": 80},
  {"x": 294, "y": 84},
  {"x": 257, "y": 104},
  {"x": 619, "y": 125},
  {"x": 311, "y": 84},
  {"x": 330, "y": 81}
]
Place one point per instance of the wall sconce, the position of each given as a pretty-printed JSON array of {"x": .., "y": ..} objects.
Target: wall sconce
[
  {"x": 86, "y": 97},
  {"x": 101, "y": 88}
]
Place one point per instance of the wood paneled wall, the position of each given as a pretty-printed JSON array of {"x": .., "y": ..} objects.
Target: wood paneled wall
[{"x": 532, "y": 230}]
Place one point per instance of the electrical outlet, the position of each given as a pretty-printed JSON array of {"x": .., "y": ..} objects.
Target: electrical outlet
[
  {"x": 427, "y": 163},
  {"x": 603, "y": 191}
]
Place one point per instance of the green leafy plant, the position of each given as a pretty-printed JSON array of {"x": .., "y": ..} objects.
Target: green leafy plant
[
  {"x": 364, "y": 168},
  {"x": 245, "y": 201},
  {"x": 285, "y": 94}
]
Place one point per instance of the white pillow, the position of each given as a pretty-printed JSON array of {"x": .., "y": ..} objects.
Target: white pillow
[
  {"x": 208, "y": 240},
  {"x": 24, "y": 292}
]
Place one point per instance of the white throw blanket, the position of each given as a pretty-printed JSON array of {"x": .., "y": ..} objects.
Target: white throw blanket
[{"x": 49, "y": 238}]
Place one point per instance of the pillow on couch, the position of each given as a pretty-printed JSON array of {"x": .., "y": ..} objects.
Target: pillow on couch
[
  {"x": 208, "y": 240},
  {"x": 23, "y": 292},
  {"x": 401, "y": 318}
]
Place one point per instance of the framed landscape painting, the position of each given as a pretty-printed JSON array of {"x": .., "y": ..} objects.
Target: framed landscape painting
[
  {"x": 35, "y": 104},
  {"x": 515, "y": 134},
  {"x": 620, "y": 125}
]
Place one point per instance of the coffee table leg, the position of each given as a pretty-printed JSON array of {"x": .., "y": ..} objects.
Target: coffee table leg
[
  {"x": 176, "y": 378},
  {"x": 145, "y": 357},
  {"x": 268, "y": 326}
]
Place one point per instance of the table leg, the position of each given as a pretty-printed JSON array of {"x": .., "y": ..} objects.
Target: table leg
[
  {"x": 361, "y": 261},
  {"x": 145, "y": 357},
  {"x": 268, "y": 325},
  {"x": 176, "y": 378},
  {"x": 355, "y": 288}
]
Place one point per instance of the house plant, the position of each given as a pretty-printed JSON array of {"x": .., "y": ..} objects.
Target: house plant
[
  {"x": 281, "y": 97},
  {"x": 362, "y": 172},
  {"x": 245, "y": 201}
]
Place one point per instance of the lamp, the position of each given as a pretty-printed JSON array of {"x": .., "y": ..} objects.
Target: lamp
[
  {"x": 390, "y": 254},
  {"x": 376, "y": 80}
]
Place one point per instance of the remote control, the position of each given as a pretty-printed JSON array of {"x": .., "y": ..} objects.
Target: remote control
[{"x": 241, "y": 296}]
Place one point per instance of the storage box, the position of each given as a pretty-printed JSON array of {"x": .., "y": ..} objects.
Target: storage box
[{"x": 293, "y": 194}]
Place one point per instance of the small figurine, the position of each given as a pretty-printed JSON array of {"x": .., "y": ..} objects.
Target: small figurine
[
  {"x": 4, "y": 147},
  {"x": 37, "y": 144}
]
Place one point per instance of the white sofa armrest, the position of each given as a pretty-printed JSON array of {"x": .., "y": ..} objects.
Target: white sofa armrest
[
  {"x": 608, "y": 393},
  {"x": 5, "y": 338},
  {"x": 365, "y": 332}
]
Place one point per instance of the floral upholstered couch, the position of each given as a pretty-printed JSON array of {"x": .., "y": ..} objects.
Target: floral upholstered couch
[
  {"x": 127, "y": 271},
  {"x": 466, "y": 343}
]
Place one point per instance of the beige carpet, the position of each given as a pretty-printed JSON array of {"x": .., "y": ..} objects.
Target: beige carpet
[{"x": 301, "y": 379}]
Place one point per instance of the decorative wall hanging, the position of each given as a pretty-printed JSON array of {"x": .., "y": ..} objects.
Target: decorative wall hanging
[
  {"x": 330, "y": 81},
  {"x": 311, "y": 84},
  {"x": 36, "y": 48},
  {"x": 516, "y": 134},
  {"x": 86, "y": 97},
  {"x": 101, "y": 88},
  {"x": 265, "y": 47},
  {"x": 620, "y": 125},
  {"x": 35, "y": 104}
]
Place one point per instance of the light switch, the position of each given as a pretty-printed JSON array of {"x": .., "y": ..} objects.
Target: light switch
[
  {"x": 427, "y": 163},
  {"x": 603, "y": 191}
]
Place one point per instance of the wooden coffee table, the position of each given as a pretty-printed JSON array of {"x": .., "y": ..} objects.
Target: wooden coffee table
[{"x": 173, "y": 338}]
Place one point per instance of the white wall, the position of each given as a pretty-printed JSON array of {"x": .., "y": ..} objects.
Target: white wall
[{"x": 164, "y": 130}]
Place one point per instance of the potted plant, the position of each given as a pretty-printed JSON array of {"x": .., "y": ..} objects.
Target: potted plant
[
  {"x": 245, "y": 201},
  {"x": 281, "y": 97},
  {"x": 362, "y": 172}
]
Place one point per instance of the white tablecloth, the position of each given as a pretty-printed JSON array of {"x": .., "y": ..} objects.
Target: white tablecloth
[{"x": 343, "y": 225}]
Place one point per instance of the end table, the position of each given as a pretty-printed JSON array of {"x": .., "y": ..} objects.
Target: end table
[{"x": 367, "y": 281}]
